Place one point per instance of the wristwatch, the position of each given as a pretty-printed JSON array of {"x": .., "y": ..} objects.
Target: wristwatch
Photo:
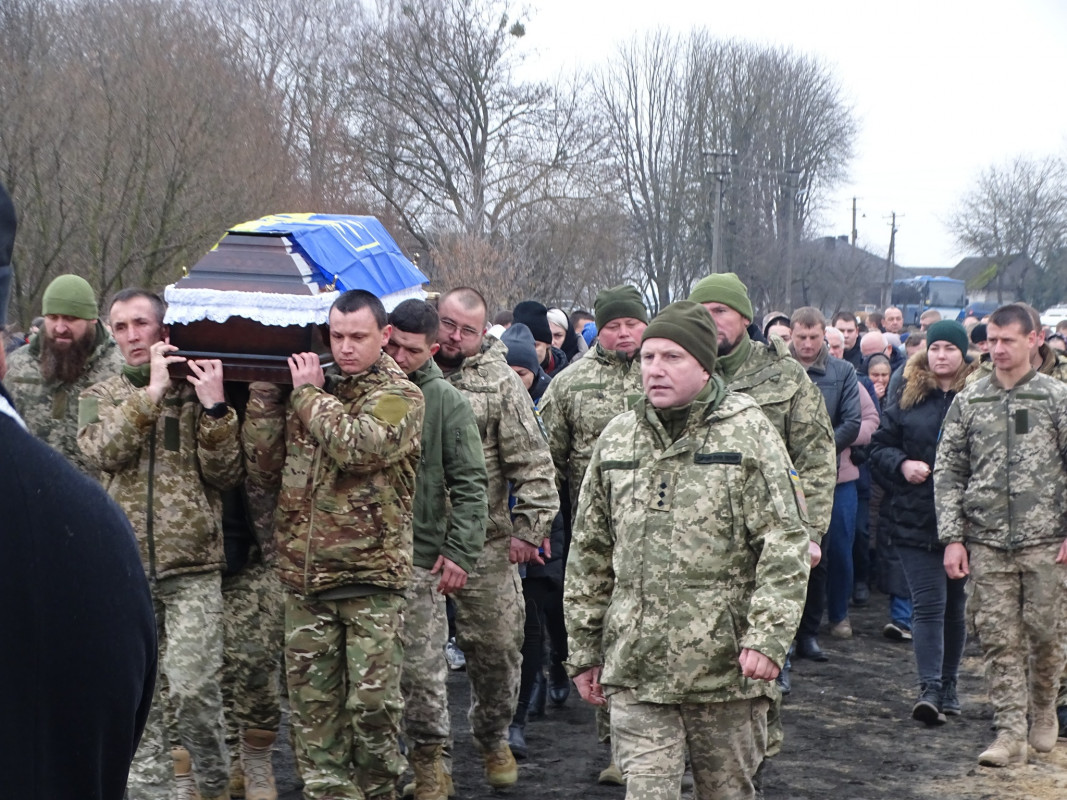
[{"x": 217, "y": 411}]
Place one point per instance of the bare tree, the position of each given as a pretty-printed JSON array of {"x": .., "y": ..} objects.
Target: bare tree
[
  {"x": 452, "y": 139},
  {"x": 133, "y": 146},
  {"x": 1017, "y": 209}
]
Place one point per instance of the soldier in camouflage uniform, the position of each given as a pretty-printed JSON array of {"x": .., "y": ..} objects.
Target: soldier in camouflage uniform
[
  {"x": 1000, "y": 486},
  {"x": 342, "y": 451},
  {"x": 254, "y": 635},
  {"x": 166, "y": 449},
  {"x": 584, "y": 398},
  {"x": 1046, "y": 361},
  {"x": 449, "y": 531},
  {"x": 489, "y": 610},
  {"x": 688, "y": 570},
  {"x": 793, "y": 404},
  {"x": 68, "y": 355}
]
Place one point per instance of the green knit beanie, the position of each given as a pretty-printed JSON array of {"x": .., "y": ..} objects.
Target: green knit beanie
[
  {"x": 725, "y": 288},
  {"x": 948, "y": 330},
  {"x": 70, "y": 296},
  {"x": 690, "y": 325},
  {"x": 616, "y": 302}
]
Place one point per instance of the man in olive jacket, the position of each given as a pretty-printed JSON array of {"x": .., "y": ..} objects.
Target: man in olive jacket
[
  {"x": 449, "y": 531},
  {"x": 166, "y": 449},
  {"x": 343, "y": 451},
  {"x": 687, "y": 572}
]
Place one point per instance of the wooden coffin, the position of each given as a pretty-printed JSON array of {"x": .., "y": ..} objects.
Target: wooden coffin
[{"x": 250, "y": 350}]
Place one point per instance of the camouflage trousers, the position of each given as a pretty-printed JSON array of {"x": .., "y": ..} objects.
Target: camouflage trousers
[
  {"x": 343, "y": 660},
  {"x": 254, "y": 637},
  {"x": 423, "y": 681},
  {"x": 490, "y": 615},
  {"x": 1020, "y": 601},
  {"x": 189, "y": 624},
  {"x": 727, "y": 743}
]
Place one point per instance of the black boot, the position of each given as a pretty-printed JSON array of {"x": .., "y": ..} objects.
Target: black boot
[
  {"x": 784, "y": 679},
  {"x": 928, "y": 707},
  {"x": 808, "y": 647},
  {"x": 537, "y": 696},
  {"x": 559, "y": 685},
  {"x": 517, "y": 732}
]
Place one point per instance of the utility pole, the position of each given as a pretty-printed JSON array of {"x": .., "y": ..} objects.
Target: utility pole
[
  {"x": 855, "y": 233},
  {"x": 792, "y": 186},
  {"x": 721, "y": 172},
  {"x": 889, "y": 259}
]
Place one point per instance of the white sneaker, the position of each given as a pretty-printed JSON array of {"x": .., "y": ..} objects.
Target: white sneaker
[{"x": 454, "y": 656}]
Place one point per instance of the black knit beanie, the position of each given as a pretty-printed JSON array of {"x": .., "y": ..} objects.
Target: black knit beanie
[{"x": 535, "y": 317}]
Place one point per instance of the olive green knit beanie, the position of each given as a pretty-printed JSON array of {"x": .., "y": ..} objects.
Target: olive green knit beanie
[
  {"x": 616, "y": 302},
  {"x": 70, "y": 296},
  {"x": 725, "y": 288},
  {"x": 690, "y": 325}
]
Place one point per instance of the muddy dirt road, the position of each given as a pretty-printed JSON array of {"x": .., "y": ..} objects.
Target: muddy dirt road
[{"x": 848, "y": 736}]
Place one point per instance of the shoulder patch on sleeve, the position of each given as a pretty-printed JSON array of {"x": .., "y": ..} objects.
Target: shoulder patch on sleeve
[
  {"x": 88, "y": 411},
  {"x": 391, "y": 409}
]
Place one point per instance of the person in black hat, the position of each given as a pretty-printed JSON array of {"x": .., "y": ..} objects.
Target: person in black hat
[{"x": 534, "y": 316}]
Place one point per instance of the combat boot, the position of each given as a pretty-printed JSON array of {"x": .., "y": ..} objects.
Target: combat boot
[
  {"x": 517, "y": 732},
  {"x": 408, "y": 791},
  {"x": 500, "y": 768},
  {"x": 184, "y": 782},
  {"x": 429, "y": 769},
  {"x": 256, "y": 748},
  {"x": 1006, "y": 749},
  {"x": 1045, "y": 727}
]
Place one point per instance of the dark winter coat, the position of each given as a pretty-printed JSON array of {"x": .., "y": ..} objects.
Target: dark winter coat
[{"x": 910, "y": 430}]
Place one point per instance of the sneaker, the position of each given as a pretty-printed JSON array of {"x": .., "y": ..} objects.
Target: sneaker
[
  {"x": 842, "y": 629},
  {"x": 500, "y": 768},
  {"x": 950, "y": 700},
  {"x": 928, "y": 709},
  {"x": 898, "y": 633},
  {"x": 454, "y": 656}
]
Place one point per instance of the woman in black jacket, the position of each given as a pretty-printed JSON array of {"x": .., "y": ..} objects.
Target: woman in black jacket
[{"x": 902, "y": 459}]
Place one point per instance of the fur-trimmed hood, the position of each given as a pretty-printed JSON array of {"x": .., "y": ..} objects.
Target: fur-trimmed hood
[{"x": 920, "y": 381}]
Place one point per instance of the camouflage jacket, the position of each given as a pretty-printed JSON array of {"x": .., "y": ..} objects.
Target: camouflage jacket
[
  {"x": 1000, "y": 478},
  {"x": 1052, "y": 363},
  {"x": 451, "y": 486},
  {"x": 513, "y": 444},
  {"x": 580, "y": 402},
  {"x": 795, "y": 407},
  {"x": 165, "y": 464},
  {"x": 685, "y": 553},
  {"x": 343, "y": 459},
  {"x": 51, "y": 410}
]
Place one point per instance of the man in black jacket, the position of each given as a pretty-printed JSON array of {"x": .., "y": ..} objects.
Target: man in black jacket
[
  {"x": 72, "y": 594},
  {"x": 836, "y": 380}
]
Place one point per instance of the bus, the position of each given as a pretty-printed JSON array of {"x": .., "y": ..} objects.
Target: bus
[{"x": 913, "y": 296}]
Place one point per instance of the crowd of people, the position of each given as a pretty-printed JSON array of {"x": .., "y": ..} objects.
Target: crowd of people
[{"x": 665, "y": 510}]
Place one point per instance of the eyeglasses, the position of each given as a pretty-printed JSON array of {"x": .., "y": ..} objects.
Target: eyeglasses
[{"x": 466, "y": 331}]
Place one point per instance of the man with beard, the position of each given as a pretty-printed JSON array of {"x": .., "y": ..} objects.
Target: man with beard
[
  {"x": 489, "y": 608},
  {"x": 71, "y": 353}
]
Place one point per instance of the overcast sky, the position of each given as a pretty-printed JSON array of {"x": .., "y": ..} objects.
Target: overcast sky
[{"x": 942, "y": 90}]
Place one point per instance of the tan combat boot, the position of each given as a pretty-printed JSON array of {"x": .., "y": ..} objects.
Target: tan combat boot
[
  {"x": 184, "y": 782},
  {"x": 500, "y": 768},
  {"x": 429, "y": 769},
  {"x": 1045, "y": 727},
  {"x": 1006, "y": 749},
  {"x": 256, "y": 748}
]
